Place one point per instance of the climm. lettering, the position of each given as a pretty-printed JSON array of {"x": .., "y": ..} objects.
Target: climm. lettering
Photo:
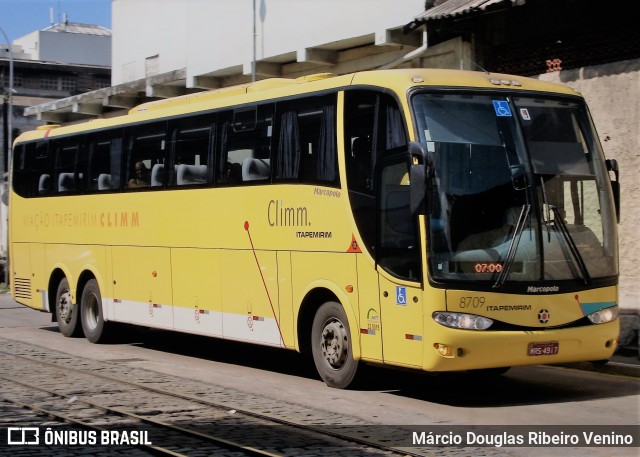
[
  {"x": 279, "y": 215},
  {"x": 120, "y": 219}
]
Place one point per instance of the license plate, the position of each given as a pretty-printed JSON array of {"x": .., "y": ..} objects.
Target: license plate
[{"x": 550, "y": 348}]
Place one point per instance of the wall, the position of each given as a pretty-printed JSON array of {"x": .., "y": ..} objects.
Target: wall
[
  {"x": 75, "y": 48},
  {"x": 209, "y": 35},
  {"x": 147, "y": 28},
  {"x": 67, "y": 47},
  {"x": 29, "y": 44}
]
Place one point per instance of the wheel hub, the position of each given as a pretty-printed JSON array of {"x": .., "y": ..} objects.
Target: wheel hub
[
  {"x": 335, "y": 345},
  {"x": 64, "y": 306}
]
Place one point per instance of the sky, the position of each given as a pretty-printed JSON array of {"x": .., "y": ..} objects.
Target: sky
[{"x": 21, "y": 17}]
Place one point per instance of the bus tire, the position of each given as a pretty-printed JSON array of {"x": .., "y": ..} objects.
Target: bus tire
[
  {"x": 331, "y": 346},
  {"x": 91, "y": 313},
  {"x": 66, "y": 311}
]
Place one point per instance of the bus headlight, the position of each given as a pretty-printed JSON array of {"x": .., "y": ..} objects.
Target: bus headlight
[
  {"x": 604, "y": 315},
  {"x": 462, "y": 321}
]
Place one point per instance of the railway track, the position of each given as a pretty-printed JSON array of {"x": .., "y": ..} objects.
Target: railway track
[
  {"x": 118, "y": 427},
  {"x": 102, "y": 397}
]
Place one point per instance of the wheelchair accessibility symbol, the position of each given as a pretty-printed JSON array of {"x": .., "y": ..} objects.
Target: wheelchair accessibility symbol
[
  {"x": 502, "y": 108},
  {"x": 401, "y": 296}
]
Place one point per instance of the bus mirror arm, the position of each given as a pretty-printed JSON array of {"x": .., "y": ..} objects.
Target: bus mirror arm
[
  {"x": 417, "y": 176},
  {"x": 612, "y": 165}
]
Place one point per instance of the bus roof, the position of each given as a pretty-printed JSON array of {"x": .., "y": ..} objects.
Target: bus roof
[{"x": 398, "y": 80}]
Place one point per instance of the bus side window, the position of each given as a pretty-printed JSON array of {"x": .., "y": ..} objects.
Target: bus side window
[
  {"x": 44, "y": 161},
  {"x": 245, "y": 145},
  {"x": 373, "y": 128},
  {"x": 359, "y": 139},
  {"x": 32, "y": 169},
  {"x": 68, "y": 172},
  {"x": 104, "y": 170},
  {"x": 192, "y": 151},
  {"x": 145, "y": 166},
  {"x": 306, "y": 142}
]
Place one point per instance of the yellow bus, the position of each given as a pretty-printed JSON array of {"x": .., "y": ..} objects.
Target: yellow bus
[{"x": 426, "y": 219}]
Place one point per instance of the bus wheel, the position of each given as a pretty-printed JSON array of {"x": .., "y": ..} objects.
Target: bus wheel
[
  {"x": 66, "y": 312},
  {"x": 91, "y": 313},
  {"x": 331, "y": 346}
]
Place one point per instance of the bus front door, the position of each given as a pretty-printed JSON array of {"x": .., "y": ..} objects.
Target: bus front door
[
  {"x": 398, "y": 264},
  {"x": 402, "y": 323}
]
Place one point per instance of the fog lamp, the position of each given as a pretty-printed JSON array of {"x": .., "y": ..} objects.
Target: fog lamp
[{"x": 443, "y": 349}]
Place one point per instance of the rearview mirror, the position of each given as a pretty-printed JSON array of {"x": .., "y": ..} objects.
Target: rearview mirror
[{"x": 612, "y": 165}]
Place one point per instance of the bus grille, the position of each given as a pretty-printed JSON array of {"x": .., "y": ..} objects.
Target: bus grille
[{"x": 22, "y": 287}]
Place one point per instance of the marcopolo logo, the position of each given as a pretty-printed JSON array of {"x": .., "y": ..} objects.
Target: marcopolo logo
[{"x": 543, "y": 289}]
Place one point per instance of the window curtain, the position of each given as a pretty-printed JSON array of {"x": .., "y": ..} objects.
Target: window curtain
[
  {"x": 222, "y": 162},
  {"x": 115, "y": 154},
  {"x": 395, "y": 129},
  {"x": 327, "y": 160},
  {"x": 288, "y": 164}
]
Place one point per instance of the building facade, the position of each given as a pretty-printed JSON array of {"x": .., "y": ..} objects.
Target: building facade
[
  {"x": 70, "y": 43},
  {"x": 60, "y": 61},
  {"x": 216, "y": 41}
]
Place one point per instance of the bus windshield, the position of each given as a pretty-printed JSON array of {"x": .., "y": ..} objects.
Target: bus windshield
[{"x": 520, "y": 191}]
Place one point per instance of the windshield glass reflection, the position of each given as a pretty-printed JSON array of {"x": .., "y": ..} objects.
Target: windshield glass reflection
[{"x": 519, "y": 190}]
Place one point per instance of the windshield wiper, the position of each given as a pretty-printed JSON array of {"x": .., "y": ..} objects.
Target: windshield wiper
[
  {"x": 513, "y": 246},
  {"x": 562, "y": 228},
  {"x": 547, "y": 207}
]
